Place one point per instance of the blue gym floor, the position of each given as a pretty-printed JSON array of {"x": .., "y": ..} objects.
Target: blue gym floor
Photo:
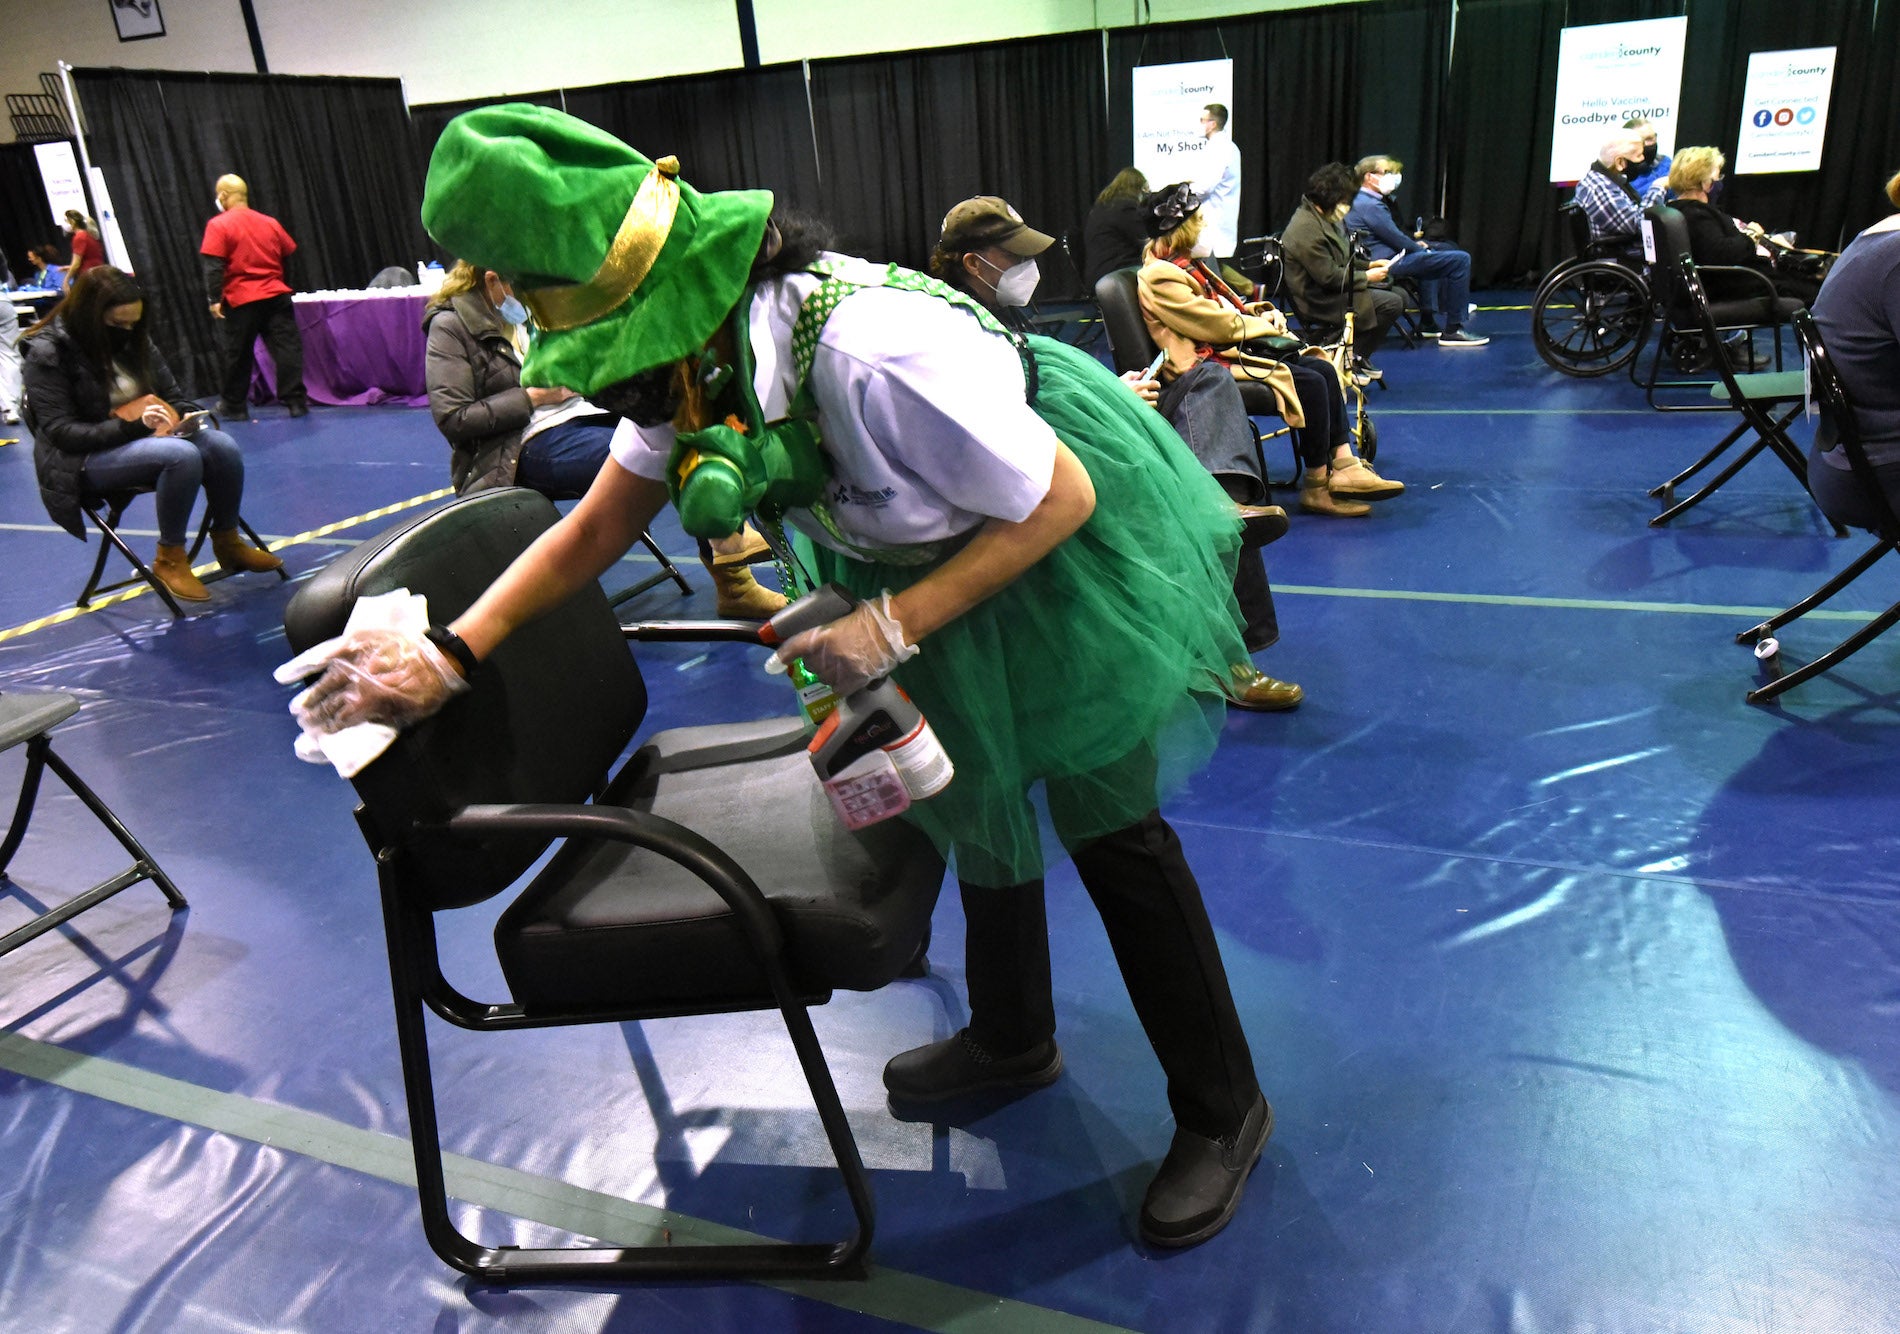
[{"x": 1572, "y": 977}]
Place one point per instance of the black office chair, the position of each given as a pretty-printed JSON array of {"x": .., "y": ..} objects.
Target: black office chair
[
  {"x": 1838, "y": 411},
  {"x": 707, "y": 875},
  {"x": 1680, "y": 328},
  {"x": 1756, "y": 397},
  {"x": 28, "y": 719},
  {"x": 1131, "y": 347}
]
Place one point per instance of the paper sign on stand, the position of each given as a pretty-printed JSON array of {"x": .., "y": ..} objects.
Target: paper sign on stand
[
  {"x": 1784, "y": 111},
  {"x": 59, "y": 173},
  {"x": 1167, "y": 116},
  {"x": 1609, "y": 73},
  {"x": 113, "y": 239}
]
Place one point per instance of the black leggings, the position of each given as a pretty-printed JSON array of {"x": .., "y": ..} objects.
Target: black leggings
[{"x": 1323, "y": 403}]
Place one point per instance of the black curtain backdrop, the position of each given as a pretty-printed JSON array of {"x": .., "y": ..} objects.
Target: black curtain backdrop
[
  {"x": 26, "y": 218},
  {"x": 334, "y": 160},
  {"x": 903, "y": 138}
]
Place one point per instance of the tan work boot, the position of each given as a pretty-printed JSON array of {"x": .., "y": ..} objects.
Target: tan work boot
[
  {"x": 740, "y": 595},
  {"x": 173, "y": 568},
  {"x": 1317, "y": 498},
  {"x": 1355, "y": 478},
  {"x": 235, "y": 554},
  {"x": 1251, "y": 688}
]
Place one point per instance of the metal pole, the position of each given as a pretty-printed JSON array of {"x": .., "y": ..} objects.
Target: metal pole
[
  {"x": 811, "y": 117},
  {"x": 79, "y": 137}
]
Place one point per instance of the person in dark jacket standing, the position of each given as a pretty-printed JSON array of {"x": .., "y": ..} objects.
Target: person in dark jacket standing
[
  {"x": 106, "y": 414},
  {"x": 244, "y": 253}
]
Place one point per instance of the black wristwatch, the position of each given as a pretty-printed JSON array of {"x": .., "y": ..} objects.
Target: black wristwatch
[{"x": 453, "y": 645}]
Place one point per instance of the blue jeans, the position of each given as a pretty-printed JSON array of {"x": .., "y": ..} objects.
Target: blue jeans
[
  {"x": 177, "y": 466},
  {"x": 1444, "y": 281},
  {"x": 562, "y": 461}
]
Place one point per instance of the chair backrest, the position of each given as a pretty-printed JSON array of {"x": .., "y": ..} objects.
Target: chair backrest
[
  {"x": 1119, "y": 295},
  {"x": 552, "y": 709},
  {"x": 1578, "y": 223},
  {"x": 1826, "y": 385},
  {"x": 1670, "y": 231}
]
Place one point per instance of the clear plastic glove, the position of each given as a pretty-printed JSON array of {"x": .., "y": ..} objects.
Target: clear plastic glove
[
  {"x": 856, "y": 649},
  {"x": 390, "y": 677}
]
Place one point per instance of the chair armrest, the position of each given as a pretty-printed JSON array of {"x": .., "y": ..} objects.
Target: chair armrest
[
  {"x": 1753, "y": 275},
  {"x": 656, "y": 833},
  {"x": 693, "y": 632}
]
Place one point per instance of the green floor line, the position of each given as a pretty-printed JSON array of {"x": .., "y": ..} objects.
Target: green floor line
[
  {"x": 887, "y": 1294},
  {"x": 1566, "y": 604}
]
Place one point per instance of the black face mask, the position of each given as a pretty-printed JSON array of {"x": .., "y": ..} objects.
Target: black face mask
[
  {"x": 1715, "y": 190},
  {"x": 120, "y": 340},
  {"x": 646, "y": 399},
  {"x": 1649, "y": 155}
]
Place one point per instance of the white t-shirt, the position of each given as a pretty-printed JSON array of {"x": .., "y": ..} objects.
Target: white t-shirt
[
  {"x": 1219, "y": 188},
  {"x": 921, "y": 409}
]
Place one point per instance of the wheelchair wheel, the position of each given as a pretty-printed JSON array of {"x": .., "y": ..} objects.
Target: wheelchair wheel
[{"x": 1591, "y": 318}]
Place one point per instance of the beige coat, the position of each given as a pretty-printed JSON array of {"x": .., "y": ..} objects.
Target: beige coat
[{"x": 1182, "y": 319}]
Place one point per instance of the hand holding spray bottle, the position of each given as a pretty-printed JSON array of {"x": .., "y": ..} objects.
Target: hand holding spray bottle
[{"x": 874, "y": 751}]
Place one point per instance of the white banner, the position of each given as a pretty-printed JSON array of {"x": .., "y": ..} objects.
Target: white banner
[
  {"x": 1609, "y": 73},
  {"x": 1167, "y": 116},
  {"x": 59, "y": 171},
  {"x": 108, "y": 218},
  {"x": 1784, "y": 110}
]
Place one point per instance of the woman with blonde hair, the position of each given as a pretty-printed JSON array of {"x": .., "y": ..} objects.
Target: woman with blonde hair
[{"x": 1695, "y": 177}]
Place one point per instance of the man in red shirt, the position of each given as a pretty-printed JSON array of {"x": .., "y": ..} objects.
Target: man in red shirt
[{"x": 243, "y": 254}]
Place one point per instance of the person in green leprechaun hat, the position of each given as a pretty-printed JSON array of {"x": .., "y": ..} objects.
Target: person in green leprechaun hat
[{"x": 1041, "y": 564}]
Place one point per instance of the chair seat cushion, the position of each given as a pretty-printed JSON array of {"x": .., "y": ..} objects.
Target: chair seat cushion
[
  {"x": 1766, "y": 387},
  {"x": 610, "y": 926},
  {"x": 25, "y": 716}
]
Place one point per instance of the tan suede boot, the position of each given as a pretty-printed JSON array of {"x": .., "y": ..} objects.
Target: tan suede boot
[
  {"x": 235, "y": 554},
  {"x": 740, "y": 595},
  {"x": 1317, "y": 498},
  {"x": 173, "y": 568}
]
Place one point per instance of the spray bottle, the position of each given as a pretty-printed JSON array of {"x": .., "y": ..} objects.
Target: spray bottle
[{"x": 874, "y": 751}]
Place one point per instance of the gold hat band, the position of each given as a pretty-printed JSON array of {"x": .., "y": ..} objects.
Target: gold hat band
[{"x": 635, "y": 247}]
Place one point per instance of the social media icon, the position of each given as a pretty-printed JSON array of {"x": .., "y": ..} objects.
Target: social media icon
[
  {"x": 1762, "y": 118},
  {"x": 1805, "y": 115},
  {"x": 1784, "y": 116}
]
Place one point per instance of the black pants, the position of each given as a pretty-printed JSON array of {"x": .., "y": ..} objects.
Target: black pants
[
  {"x": 1323, "y": 403},
  {"x": 1150, "y": 903},
  {"x": 276, "y": 320}
]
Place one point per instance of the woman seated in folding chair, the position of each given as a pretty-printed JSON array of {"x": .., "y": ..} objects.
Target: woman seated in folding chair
[
  {"x": 1858, "y": 313},
  {"x": 549, "y": 440},
  {"x": 1194, "y": 317},
  {"x": 1695, "y": 177},
  {"x": 106, "y": 415}
]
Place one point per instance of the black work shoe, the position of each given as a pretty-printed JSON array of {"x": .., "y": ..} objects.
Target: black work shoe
[
  {"x": 960, "y": 1065},
  {"x": 234, "y": 412},
  {"x": 299, "y": 409},
  {"x": 1199, "y": 1184}
]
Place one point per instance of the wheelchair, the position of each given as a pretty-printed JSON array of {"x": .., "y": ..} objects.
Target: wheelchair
[{"x": 1592, "y": 314}]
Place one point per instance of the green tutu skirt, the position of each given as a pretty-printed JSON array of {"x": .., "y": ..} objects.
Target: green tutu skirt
[{"x": 1098, "y": 672}]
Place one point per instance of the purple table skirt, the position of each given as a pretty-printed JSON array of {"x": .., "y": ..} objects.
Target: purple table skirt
[{"x": 356, "y": 351}]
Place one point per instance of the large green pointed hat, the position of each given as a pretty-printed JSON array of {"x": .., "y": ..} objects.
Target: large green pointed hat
[{"x": 623, "y": 265}]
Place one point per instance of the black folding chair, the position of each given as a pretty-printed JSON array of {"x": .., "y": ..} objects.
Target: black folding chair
[
  {"x": 28, "y": 718},
  {"x": 1756, "y": 397},
  {"x": 106, "y": 509},
  {"x": 1682, "y": 325},
  {"x": 1837, "y": 411},
  {"x": 1130, "y": 346},
  {"x": 708, "y": 875}
]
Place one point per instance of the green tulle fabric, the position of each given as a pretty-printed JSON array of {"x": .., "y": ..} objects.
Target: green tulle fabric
[{"x": 1098, "y": 671}]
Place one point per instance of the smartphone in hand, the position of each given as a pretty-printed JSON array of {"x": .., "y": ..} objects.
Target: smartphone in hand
[{"x": 191, "y": 423}]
